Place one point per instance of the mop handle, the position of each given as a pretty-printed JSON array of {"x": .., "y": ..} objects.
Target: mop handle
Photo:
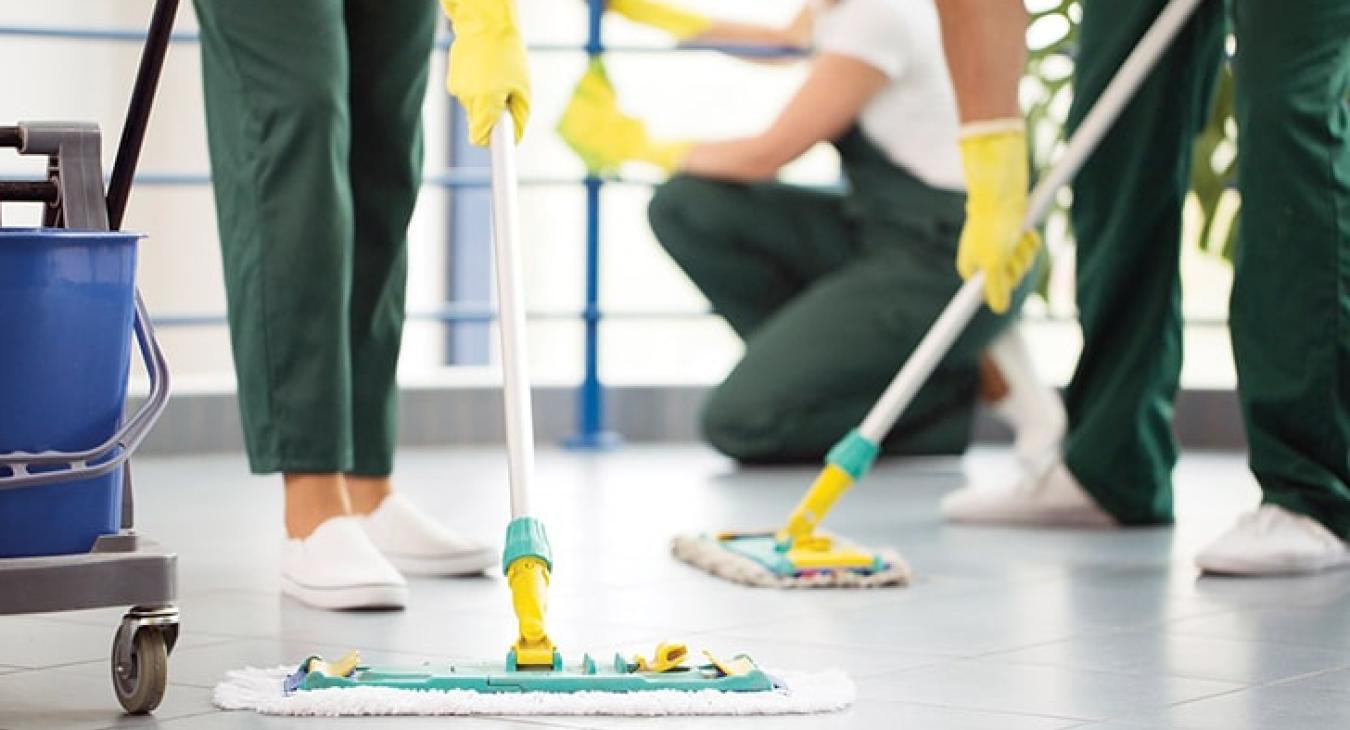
[
  {"x": 157, "y": 40},
  {"x": 968, "y": 299},
  {"x": 511, "y": 308}
]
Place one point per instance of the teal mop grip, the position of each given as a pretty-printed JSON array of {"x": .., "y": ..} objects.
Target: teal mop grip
[
  {"x": 854, "y": 454},
  {"x": 526, "y": 538}
]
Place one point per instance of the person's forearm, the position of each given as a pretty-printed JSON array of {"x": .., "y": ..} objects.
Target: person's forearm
[
  {"x": 985, "y": 44},
  {"x": 740, "y": 160}
]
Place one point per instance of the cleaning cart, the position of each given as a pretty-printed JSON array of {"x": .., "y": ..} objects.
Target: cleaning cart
[{"x": 69, "y": 310}]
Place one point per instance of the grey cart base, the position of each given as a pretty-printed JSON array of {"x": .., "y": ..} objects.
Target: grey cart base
[{"x": 121, "y": 570}]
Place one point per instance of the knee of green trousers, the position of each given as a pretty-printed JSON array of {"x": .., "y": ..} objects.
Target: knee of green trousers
[
  {"x": 757, "y": 425},
  {"x": 675, "y": 204}
]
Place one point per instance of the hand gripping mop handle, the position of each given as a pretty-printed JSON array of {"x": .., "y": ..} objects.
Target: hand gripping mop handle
[
  {"x": 526, "y": 557},
  {"x": 852, "y": 457}
]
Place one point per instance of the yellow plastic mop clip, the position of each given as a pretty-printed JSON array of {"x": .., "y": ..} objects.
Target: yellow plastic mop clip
[
  {"x": 343, "y": 667},
  {"x": 739, "y": 665},
  {"x": 669, "y": 655}
]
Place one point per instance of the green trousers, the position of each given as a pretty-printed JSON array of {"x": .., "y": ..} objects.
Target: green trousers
[
  {"x": 1290, "y": 308},
  {"x": 830, "y": 302},
  {"x": 314, "y": 118}
]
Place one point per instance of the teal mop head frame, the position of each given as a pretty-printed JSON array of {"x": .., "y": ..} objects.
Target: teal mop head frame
[{"x": 666, "y": 672}]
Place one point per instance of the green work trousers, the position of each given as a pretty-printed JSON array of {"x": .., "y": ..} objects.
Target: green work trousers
[
  {"x": 1290, "y": 308},
  {"x": 314, "y": 118},
  {"x": 830, "y": 301}
]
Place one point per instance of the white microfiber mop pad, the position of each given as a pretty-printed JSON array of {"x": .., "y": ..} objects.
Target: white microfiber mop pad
[
  {"x": 260, "y": 690},
  {"x": 707, "y": 553}
]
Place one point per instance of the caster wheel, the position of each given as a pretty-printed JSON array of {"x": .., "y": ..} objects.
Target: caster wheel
[{"x": 140, "y": 682}]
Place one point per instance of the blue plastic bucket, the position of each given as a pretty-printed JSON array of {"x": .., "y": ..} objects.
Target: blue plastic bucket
[{"x": 66, "y": 309}]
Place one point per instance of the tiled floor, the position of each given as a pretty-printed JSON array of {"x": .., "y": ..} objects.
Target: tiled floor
[{"x": 1004, "y": 629}]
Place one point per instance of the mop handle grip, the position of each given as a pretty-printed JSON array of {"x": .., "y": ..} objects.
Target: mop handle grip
[
  {"x": 511, "y": 306},
  {"x": 964, "y": 305}
]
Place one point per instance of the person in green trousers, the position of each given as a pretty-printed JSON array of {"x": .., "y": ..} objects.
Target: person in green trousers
[
  {"x": 314, "y": 121},
  {"x": 830, "y": 291},
  {"x": 1290, "y": 309}
]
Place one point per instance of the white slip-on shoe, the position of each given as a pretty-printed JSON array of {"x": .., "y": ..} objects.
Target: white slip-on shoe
[
  {"x": 1055, "y": 499},
  {"x": 1274, "y": 541},
  {"x": 1031, "y": 408},
  {"x": 337, "y": 567},
  {"x": 418, "y": 545}
]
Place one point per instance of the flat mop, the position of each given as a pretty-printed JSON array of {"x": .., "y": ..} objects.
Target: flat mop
[
  {"x": 799, "y": 555},
  {"x": 533, "y": 679}
]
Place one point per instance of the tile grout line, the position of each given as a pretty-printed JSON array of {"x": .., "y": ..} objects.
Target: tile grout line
[
  {"x": 1305, "y": 675},
  {"x": 189, "y": 716}
]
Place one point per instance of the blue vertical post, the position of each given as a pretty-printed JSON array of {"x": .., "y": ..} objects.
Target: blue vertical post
[{"x": 591, "y": 433}]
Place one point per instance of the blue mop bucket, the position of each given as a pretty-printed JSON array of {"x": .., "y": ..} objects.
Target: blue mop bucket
[{"x": 67, "y": 306}]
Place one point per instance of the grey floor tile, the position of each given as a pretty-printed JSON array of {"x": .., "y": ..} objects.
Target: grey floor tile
[
  {"x": 1322, "y": 627},
  {"x": 865, "y": 715},
  {"x": 253, "y": 721},
  {"x": 1306, "y": 705},
  {"x": 1161, "y": 653},
  {"x": 1337, "y": 680},
  {"x": 60, "y": 699},
  {"x": 993, "y": 618},
  {"x": 1118, "y": 725},
  {"x": 1037, "y": 690}
]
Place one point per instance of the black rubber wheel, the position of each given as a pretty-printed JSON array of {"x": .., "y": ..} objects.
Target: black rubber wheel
[{"x": 140, "y": 684}]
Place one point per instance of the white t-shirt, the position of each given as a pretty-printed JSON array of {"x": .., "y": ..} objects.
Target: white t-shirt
[{"x": 913, "y": 119}]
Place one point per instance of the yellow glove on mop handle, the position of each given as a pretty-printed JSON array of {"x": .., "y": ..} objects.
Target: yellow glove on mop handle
[
  {"x": 683, "y": 24},
  {"x": 488, "y": 72},
  {"x": 604, "y": 137},
  {"x": 527, "y": 562},
  {"x": 994, "y": 155}
]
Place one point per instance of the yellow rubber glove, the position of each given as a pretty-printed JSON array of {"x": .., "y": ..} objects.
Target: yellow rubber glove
[
  {"x": 994, "y": 155},
  {"x": 604, "y": 137},
  {"x": 682, "y": 24},
  {"x": 488, "y": 72}
]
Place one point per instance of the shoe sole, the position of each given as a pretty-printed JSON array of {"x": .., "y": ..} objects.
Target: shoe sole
[
  {"x": 377, "y": 595},
  {"x": 472, "y": 563},
  {"x": 1231, "y": 567}
]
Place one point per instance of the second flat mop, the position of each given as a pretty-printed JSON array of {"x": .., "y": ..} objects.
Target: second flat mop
[{"x": 798, "y": 554}]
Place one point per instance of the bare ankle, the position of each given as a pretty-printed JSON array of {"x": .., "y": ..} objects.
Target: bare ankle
[
  {"x": 993, "y": 386},
  {"x": 311, "y": 500},
  {"x": 366, "y": 493}
]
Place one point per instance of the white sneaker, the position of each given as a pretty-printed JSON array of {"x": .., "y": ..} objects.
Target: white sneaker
[
  {"x": 1031, "y": 408},
  {"x": 1271, "y": 541},
  {"x": 1053, "y": 499},
  {"x": 418, "y": 545},
  {"x": 337, "y": 567}
]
